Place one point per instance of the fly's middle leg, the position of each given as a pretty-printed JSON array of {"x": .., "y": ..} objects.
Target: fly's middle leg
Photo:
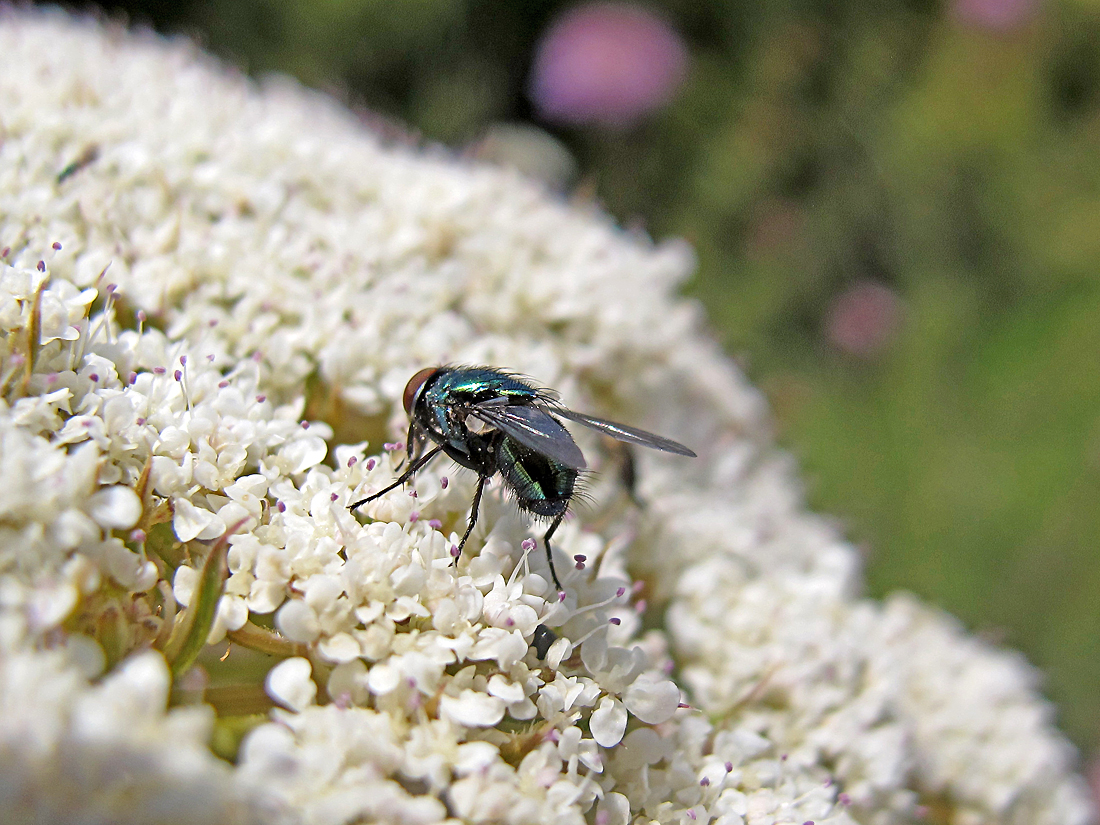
[{"x": 481, "y": 479}]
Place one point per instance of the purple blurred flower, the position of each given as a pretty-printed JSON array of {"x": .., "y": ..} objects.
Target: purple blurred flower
[
  {"x": 999, "y": 15},
  {"x": 607, "y": 63},
  {"x": 863, "y": 319}
]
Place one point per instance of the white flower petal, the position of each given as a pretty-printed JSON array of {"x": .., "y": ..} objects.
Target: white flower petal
[
  {"x": 191, "y": 522},
  {"x": 608, "y": 722},
  {"x": 343, "y": 647},
  {"x": 232, "y": 612},
  {"x": 297, "y": 621},
  {"x": 473, "y": 709},
  {"x": 115, "y": 508},
  {"x": 49, "y": 606},
  {"x": 348, "y": 682},
  {"x": 184, "y": 583},
  {"x": 475, "y": 756},
  {"x": 613, "y": 809},
  {"x": 383, "y": 678},
  {"x": 652, "y": 698},
  {"x": 509, "y": 691}
]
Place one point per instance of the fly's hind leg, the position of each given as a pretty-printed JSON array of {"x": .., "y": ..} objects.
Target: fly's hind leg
[{"x": 550, "y": 554}]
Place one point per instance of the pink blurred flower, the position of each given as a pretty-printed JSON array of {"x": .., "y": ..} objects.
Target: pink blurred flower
[
  {"x": 607, "y": 63},
  {"x": 999, "y": 15},
  {"x": 863, "y": 319}
]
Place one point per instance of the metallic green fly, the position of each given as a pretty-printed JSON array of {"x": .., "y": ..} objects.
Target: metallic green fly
[{"x": 493, "y": 422}]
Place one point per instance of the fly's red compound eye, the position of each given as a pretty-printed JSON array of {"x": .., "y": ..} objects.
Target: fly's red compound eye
[{"x": 412, "y": 389}]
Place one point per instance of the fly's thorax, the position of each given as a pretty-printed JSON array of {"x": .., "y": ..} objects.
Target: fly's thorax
[
  {"x": 539, "y": 484},
  {"x": 469, "y": 384}
]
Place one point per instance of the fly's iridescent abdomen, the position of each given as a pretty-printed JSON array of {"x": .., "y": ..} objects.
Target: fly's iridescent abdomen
[
  {"x": 496, "y": 423},
  {"x": 541, "y": 485}
]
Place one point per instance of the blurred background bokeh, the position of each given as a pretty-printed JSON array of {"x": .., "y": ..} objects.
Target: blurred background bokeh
[{"x": 896, "y": 207}]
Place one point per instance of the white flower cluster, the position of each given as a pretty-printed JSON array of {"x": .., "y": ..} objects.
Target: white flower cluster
[
  {"x": 211, "y": 297},
  {"x": 73, "y": 751}
]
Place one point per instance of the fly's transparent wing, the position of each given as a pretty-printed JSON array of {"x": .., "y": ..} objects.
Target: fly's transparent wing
[
  {"x": 534, "y": 428},
  {"x": 631, "y": 435}
]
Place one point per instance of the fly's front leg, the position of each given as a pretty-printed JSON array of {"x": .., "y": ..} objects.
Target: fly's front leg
[
  {"x": 481, "y": 479},
  {"x": 401, "y": 479},
  {"x": 413, "y": 444}
]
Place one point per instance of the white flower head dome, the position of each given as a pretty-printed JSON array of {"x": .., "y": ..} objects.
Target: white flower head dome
[{"x": 211, "y": 296}]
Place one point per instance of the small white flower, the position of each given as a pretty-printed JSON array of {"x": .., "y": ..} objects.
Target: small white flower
[
  {"x": 560, "y": 695},
  {"x": 303, "y": 453},
  {"x": 290, "y": 684},
  {"x": 232, "y": 614},
  {"x": 504, "y": 646},
  {"x": 298, "y": 622},
  {"x": 503, "y": 608},
  {"x": 383, "y": 678},
  {"x": 48, "y": 607},
  {"x": 510, "y": 692},
  {"x": 573, "y": 748}
]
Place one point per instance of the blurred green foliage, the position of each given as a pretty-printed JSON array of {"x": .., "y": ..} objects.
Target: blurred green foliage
[{"x": 816, "y": 146}]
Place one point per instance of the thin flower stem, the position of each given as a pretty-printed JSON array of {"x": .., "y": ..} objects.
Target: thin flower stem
[{"x": 266, "y": 641}]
